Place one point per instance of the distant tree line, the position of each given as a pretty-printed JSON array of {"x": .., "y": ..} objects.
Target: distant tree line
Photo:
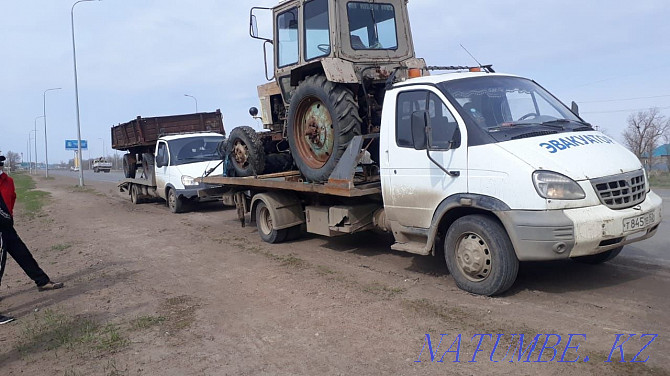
[{"x": 646, "y": 131}]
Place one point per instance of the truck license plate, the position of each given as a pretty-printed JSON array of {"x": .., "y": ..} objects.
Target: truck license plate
[{"x": 641, "y": 221}]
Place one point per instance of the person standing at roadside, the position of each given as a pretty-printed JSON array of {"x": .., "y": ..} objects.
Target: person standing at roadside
[{"x": 12, "y": 243}]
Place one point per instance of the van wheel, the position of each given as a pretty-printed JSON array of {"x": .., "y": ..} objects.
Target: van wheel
[
  {"x": 247, "y": 154},
  {"x": 175, "y": 203},
  {"x": 322, "y": 120},
  {"x": 264, "y": 225},
  {"x": 600, "y": 257},
  {"x": 135, "y": 194},
  {"x": 480, "y": 255}
]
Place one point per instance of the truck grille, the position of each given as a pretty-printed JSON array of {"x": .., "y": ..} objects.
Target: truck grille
[{"x": 621, "y": 191}]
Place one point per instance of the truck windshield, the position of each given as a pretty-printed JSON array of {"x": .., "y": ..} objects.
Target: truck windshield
[
  {"x": 194, "y": 149},
  {"x": 372, "y": 26},
  {"x": 498, "y": 103}
]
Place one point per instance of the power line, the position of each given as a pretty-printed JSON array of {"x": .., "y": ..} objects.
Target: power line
[
  {"x": 633, "y": 110},
  {"x": 626, "y": 99}
]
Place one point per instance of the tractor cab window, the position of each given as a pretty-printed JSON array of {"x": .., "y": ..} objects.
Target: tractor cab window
[
  {"x": 317, "y": 32},
  {"x": 287, "y": 37},
  {"x": 372, "y": 26}
]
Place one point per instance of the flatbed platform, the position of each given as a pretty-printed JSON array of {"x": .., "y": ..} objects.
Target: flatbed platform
[{"x": 290, "y": 181}]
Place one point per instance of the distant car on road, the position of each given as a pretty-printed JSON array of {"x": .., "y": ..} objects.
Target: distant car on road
[{"x": 101, "y": 164}]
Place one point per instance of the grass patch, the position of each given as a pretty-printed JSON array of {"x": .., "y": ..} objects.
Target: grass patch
[
  {"x": 324, "y": 270},
  {"x": 179, "y": 313},
  {"x": 84, "y": 189},
  {"x": 144, "y": 322},
  {"x": 53, "y": 330},
  {"x": 60, "y": 247},
  {"x": 31, "y": 199},
  {"x": 110, "y": 339},
  {"x": 383, "y": 290}
]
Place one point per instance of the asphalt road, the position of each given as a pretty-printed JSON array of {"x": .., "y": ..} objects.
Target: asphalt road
[
  {"x": 111, "y": 177},
  {"x": 651, "y": 251},
  {"x": 654, "y": 250}
]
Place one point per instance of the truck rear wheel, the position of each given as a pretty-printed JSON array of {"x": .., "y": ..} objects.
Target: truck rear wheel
[
  {"x": 247, "y": 154},
  {"x": 600, "y": 257},
  {"x": 129, "y": 166},
  {"x": 480, "y": 255},
  {"x": 322, "y": 119},
  {"x": 264, "y": 225}
]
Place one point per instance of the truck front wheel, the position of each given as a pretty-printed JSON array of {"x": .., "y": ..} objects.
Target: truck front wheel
[
  {"x": 264, "y": 225},
  {"x": 175, "y": 203},
  {"x": 135, "y": 194},
  {"x": 480, "y": 255}
]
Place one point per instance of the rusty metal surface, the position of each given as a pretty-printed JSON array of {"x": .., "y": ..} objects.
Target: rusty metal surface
[
  {"x": 338, "y": 70},
  {"x": 284, "y": 183},
  {"x": 315, "y": 136},
  {"x": 145, "y": 131}
]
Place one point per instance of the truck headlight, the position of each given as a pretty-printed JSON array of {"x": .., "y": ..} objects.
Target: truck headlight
[
  {"x": 188, "y": 180},
  {"x": 552, "y": 185}
]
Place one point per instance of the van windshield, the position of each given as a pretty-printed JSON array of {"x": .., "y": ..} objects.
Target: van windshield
[
  {"x": 497, "y": 104},
  {"x": 194, "y": 149}
]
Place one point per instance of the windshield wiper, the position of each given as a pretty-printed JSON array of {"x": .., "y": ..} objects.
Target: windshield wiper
[{"x": 555, "y": 123}]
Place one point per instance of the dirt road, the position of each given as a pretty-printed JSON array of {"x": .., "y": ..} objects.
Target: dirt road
[{"x": 151, "y": 293}]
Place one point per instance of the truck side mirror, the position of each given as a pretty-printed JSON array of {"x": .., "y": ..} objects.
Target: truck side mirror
[
  {"x": 419, "y": 125},
  {"x": 574, "y": 108},
  {"x": 159, "y": 162}
]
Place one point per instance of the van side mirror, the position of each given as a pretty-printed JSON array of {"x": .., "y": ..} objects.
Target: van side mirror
[
  {"x": 574, "y": 108},
  {"x": 159, "y": 161},
  {"x": 419, "y": 125}
]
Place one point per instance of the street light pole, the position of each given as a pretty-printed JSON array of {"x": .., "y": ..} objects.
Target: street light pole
[
  {"x": 103, "y": 147},
  {"x": 196, "y": 102},
  {"x": 35, "y": 130},
  {"x": 76, "y": 94},
  {"x": 30, "y": 156},
  {"x": 44, "y": 113}
]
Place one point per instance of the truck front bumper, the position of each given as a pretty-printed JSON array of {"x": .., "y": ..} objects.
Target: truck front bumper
[
  {"x": 561, "y": 234},
  {"x": 192, "y": 193}
]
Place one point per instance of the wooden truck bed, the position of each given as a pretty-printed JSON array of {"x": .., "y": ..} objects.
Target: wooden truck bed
[{"x": 143, "y": 132}]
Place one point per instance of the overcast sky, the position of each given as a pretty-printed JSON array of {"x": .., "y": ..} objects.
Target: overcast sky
[{"x": 139, "y": 58}]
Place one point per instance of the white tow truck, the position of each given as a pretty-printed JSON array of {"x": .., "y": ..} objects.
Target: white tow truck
[{"x": 491, "y": 168}]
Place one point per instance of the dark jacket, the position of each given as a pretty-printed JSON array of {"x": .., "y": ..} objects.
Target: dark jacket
[{"x": 6, "y": 219}]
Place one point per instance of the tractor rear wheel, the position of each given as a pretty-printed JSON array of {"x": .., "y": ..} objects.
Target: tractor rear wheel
[{"x": 322, "y": 119}]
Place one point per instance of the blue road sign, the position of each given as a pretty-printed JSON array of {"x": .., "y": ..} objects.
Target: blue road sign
[{"x": 72, "y": 145}]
